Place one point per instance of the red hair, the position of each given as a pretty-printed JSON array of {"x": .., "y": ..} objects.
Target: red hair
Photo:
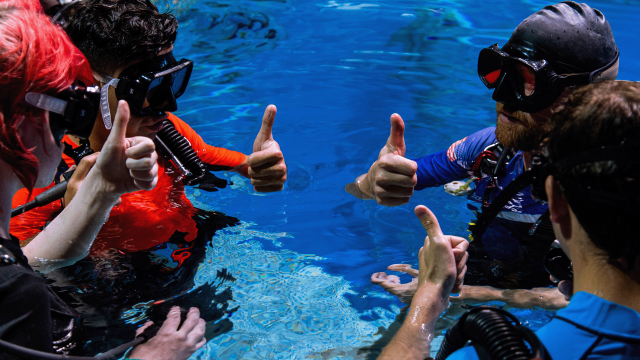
[
  {"x": 32, "y": 5},
  {"x": 35, "y": 56}
]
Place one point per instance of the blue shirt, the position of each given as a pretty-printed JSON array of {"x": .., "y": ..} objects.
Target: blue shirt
[
  {"x": 457, "y": 163},
  {"x": 513, "y": 222},
  {"x": 590, "y": 327}
]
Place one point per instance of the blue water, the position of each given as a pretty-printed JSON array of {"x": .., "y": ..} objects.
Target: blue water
[{"x": 337, "y": 71}]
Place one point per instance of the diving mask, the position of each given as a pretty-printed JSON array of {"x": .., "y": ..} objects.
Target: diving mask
[
  {"x": 72, "y": 111},
  {"x": 150, "y": 87},
  {"x": 528, "y": 82}
]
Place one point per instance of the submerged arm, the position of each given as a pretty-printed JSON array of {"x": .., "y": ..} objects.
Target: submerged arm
[
  {"x": 544, "y": 298},
  {"x": 70, "y": 235},
  {"x": 413, "y": 339}
]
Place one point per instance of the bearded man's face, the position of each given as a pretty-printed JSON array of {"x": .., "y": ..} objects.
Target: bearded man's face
[{"x": 520, "y": 130}]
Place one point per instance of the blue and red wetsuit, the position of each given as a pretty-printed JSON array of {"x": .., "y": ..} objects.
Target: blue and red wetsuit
[{"x": 502, "y": 239}]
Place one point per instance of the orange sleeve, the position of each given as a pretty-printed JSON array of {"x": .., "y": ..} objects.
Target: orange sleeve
[{"x": 208, "y": 154}]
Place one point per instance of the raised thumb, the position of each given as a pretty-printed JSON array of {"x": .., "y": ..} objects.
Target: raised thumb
[
  {"x": 395, "y": 143},
  {"x": 119, "y": 129},
  {"x": 429, "y": 222},
  {"x": 265, "y": 133}
]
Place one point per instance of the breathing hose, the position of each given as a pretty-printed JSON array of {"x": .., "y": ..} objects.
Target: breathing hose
[
  {"x": 493, "y": 331},
  {"x": 181, "y": 155},
  {"x": 57, "y": 191}
]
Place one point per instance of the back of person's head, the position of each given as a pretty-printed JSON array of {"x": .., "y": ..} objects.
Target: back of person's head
[
  {"x": 114, "y": 33},
  {"x": 35, "y": 56},
  {"x": 573, "y": 37},
  {"x": 604, "y": 195}
]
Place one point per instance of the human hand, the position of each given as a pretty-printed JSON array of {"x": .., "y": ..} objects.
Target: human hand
[
  {"x": 78, "y": 176},
  {"x": 126, "y": 164},
  {"x": 391, "y": 179},
  {"x": 439, "y": 263},
  {"x": 171, "y": 343},
  {"x": 393, "y": 285},
  {"x": 265, "y": 166},
  {"x": 73, "y": 184}
]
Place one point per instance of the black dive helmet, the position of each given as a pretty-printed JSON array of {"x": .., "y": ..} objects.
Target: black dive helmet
[{"x": 567, "y": 44}]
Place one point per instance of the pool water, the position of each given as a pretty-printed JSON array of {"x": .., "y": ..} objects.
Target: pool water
[{"x": 302, "y": 258}]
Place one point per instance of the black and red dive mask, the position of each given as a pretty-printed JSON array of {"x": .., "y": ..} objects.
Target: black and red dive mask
[{"x": 526, "y": 81}]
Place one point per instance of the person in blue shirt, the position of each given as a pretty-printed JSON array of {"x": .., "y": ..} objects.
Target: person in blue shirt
[
  {"x": 593, "y": 194},
  {"x": 550, "y": 53}
]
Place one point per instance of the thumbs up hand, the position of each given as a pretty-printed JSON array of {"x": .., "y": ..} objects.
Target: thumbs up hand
[
  {"x": 391, "y": 179},
  {"x": 126, "y": 164},
  {"x": 443, "y": 258},
  {"x": 265, "y": 166}
]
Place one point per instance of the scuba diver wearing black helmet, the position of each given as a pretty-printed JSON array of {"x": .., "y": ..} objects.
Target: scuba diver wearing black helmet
[
  {"x": 588, "y": 174},
  {"x": 552, "y": 52}
]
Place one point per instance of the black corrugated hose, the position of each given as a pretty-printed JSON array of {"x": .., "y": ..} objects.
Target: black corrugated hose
[
  {"x": 183, "y": 151},
  {"x": 493, "y": 330}
]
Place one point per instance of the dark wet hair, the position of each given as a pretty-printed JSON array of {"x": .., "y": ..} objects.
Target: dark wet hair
[
  {"x": 604, "y": 195},
  {"x": 113, "y": 33}
]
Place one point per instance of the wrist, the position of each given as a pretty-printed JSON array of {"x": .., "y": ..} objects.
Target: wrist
[
  {"x": 100, "y": 189},
  {"x": 243, "y": 168},
  {"x": 433, "y": 292}
]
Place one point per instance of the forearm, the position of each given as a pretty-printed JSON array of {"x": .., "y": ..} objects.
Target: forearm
[
  {"x": 70, "y": 235},
  {"x": 413, "y": 339},
  {"x": 545, "y": 298}
]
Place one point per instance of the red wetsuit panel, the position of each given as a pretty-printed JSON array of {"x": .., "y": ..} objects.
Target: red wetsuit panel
[
  {"x": 144, "y": 218},
  {"x": 207, "y": 153}
]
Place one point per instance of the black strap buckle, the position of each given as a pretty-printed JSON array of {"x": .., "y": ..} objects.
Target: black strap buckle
[{"x": 6, "y": 256}]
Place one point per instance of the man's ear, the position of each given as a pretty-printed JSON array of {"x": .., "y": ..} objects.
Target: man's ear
[
  {"x": 558, "y": 205},
  {"x": 559, "y": 210}
]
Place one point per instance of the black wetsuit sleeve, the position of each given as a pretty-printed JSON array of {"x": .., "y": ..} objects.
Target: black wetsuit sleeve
[{"x": 25, "y": 317}]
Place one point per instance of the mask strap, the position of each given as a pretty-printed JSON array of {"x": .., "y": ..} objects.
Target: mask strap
[
  {"x": 104, "y": 97},
  {"x": 46, "y": 102}
]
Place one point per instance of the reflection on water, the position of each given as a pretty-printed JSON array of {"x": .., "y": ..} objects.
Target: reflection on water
[{"x": 288, "y": 307}]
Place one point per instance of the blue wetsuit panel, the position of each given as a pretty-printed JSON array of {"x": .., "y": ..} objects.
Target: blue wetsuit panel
[
  {"x": 501, "y": 237},
  {"x": 589, "y": 328},
  {"x": 453, "y": 164}
]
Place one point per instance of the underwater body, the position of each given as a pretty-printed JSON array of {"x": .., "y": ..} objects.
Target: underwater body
[{"x": 291, "y": 269}]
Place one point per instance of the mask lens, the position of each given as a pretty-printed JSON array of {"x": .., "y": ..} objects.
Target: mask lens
[
  {"x": 178, "y": 85},
  {"x": 154, "y": 92},
  {"x": 490, "y": 66},
  {"x": 526, "y": 80}
]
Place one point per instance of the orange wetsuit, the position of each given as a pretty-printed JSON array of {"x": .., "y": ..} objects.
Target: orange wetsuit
[{"x": 144, "y": 218}]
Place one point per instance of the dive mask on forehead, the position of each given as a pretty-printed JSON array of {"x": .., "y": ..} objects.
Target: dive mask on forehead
[
  {"x": 150, "y": 87},
  {"x": 527, "y": 84},
  {"x": 72, "y": 111}
]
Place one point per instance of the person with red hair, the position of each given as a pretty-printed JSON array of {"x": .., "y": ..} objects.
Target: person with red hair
[{"x": 41, "y": 74}]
